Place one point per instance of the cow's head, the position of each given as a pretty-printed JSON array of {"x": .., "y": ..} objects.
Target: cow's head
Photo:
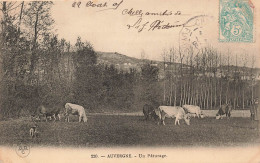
[
  {"x": 187, "y": 119},
  {"x": 157, "y": 113},
  {"x": 154, "y": 115}
]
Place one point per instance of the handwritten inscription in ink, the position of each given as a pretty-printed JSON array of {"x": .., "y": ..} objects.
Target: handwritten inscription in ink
[
  {"x": 151, "y": 25},
  {"x": 107, "y": 5},
  {"x": 154, "y": 25},
  {"x": 141, "y": 13},
  {"x": 145, "y": 20}
]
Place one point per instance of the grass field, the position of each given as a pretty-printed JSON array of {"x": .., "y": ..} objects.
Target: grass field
[{"x": 133, "y": 131}]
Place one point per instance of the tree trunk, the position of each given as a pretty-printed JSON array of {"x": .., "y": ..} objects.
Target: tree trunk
[
  {"x": 33, "y": 57},
  {"x": 20, "y": 17},
  {"x": 243, "y": 98}
]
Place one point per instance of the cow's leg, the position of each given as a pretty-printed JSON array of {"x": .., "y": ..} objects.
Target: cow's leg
[
  {"x": 252, "y": 116},
  {"x": 67, "y": 118},
  {"x": 146, "y": 117},
  {"x": 229, "y": 114},
  {"x": 159, "y": 121},
  {"x": 177, "y": 121},
  {"x": 198, "y": 115},
  {"x": 58, "y": 116},
  {"x": 163, "y": 118},
  {"x": 163, "y": 122},
  {"x": 46, "y": 118},
  {"x": 54, "y": 117},
  {"x": 80, "y": 118}
]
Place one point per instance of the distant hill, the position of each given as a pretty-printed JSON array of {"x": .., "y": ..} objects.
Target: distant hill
[
  {"x": 123, "y": 62},
  {"x": 116, "y": 58}
]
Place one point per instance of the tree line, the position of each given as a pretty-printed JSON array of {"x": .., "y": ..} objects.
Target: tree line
[{"x": 208, "y": 78}]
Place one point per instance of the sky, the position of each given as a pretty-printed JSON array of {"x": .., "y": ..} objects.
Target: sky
[{"x": 107, "y": 29}]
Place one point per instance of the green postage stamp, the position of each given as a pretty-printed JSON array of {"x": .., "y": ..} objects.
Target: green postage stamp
[{"x": 236, "y": 21}]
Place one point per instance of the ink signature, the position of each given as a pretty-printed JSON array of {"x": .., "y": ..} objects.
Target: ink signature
[{"x": 155, "y": 25}]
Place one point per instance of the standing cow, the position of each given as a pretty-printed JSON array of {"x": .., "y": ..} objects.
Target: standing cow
[
  {"x": 224, "y": 109},
  {"x": 253, "y": 109},
  {"x": 75, "y": 110},
  {"x": 47, "y": 112},
  {"x": 192, "y": 109},
  {"x": 171, "y": 112},
  {"x": 149, "y": 112}
]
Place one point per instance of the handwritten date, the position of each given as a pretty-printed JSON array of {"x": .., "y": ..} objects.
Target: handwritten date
[{"x": 104, "y": 5}]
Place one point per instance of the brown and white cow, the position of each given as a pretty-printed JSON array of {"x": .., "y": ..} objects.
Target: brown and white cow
[
  {"x": 74, "y": 109},
  {"x": 192, "y": 109},
  {"x": 224, "y": 109},
  {"x": 171, "y": 112}
]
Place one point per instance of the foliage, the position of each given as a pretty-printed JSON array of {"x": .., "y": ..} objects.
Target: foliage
[{"x": 37, "y": 67}]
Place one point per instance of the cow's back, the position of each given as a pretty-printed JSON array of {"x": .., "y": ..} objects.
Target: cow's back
[
  {"x": 74, "y": 108},
  {"x": 52, "y": 110},
  {"x": 191, "y": 109},
  {"x": 171, "y": 110},
  {"x": 147, "y": 108}
]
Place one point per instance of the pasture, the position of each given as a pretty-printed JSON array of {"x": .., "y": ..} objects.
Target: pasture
[{"x": 132, "y": 131}]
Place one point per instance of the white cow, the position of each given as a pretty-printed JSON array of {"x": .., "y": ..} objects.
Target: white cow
[
  {"x": 171, "y": 112},
  {"x": 75, "y": 110},
  {"x": 192, "y": 109}
]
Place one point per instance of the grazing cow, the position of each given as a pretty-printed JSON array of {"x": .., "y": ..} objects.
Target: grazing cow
[
  {"x": 47, "y": 112},
  {"x": 224, "y": 109},
  {"x": 192, "y": 109},
  {"x": 75, "y": 110},
  {"x": 171, "y": 112},
  {"x": 149, "y": 112},
  {"x": 253, "y": 109}
]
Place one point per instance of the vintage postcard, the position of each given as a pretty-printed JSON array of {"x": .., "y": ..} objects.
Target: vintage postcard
[{"x": 130, "y": 81}]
